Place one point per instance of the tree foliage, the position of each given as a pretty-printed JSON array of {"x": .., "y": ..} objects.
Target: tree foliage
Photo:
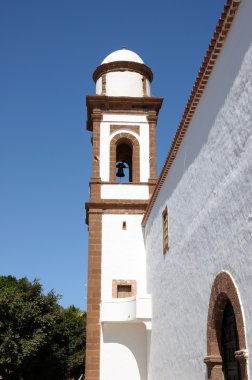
[{"x": 39, "y": 339}]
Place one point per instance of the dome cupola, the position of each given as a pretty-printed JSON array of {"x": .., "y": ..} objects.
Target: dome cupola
[{"x": 123, "y": 73}]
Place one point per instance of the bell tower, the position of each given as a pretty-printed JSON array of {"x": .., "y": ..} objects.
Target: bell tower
[{"x": 122, "y": 117}]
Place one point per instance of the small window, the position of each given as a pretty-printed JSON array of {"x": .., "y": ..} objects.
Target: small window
[
  {"x": 124, "y": 225},
  {"x": 165, "y": 231},
  {"x": 123, "y": 291},
  {"x": 124, "y": 288}
]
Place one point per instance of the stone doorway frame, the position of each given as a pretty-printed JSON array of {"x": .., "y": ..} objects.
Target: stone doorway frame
[{"x": 224, "y": 288}]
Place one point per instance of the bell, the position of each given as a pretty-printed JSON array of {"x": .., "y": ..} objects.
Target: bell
[{"x": 120, "y": 166}]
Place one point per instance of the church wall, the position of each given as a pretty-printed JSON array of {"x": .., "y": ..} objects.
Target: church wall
[
  {"x": 125, "y": 120},
  {"x": 208, "y": 193}
]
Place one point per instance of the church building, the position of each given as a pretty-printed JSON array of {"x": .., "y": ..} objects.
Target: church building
[{"x": 170, "y": 258}]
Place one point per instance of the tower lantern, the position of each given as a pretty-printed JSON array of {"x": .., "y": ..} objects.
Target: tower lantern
[{"x": 122, "y": 117}]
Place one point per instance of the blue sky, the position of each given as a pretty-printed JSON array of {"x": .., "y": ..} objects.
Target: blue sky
[{"x": 49, "y": 50}]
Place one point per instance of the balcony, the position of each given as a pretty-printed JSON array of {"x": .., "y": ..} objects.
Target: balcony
[{"x": 132, "y": 309}]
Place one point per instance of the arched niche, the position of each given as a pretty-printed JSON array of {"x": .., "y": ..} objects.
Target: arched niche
[
  {"x": 223, "y": 291},
  {"x": 125, "y": 147}
]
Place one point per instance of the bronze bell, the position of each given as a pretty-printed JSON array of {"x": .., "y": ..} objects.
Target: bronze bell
[{"x": 120, "y": 166}]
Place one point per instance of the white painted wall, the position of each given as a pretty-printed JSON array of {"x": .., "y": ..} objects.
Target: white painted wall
[
  {"x": 123, "y": 346},
  {"x": 123, "y": 351},
  {"x": 98, "y": 86},
  {"x": 126, "y": 309},
  {"x": 123, "y": 83},
  {"x": 124, "y": 191},
  {"x": 123, "y": 252},
  {"x": 208, "y": 192},
  {"x": 105, "y": 138}
]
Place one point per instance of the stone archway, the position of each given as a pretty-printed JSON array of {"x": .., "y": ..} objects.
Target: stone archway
[
  {"x": 223, "y": 289},
  {"x": 126, "y": 138}
]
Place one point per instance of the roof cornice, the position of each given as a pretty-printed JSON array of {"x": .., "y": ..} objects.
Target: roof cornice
[{"x": 199, "y": 86}]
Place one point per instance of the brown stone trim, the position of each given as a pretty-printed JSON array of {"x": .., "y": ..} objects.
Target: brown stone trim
[
  {"x": 199, "y": 86},
  {"x": 133, "y": 284},
  {"x": 152, "y": 119},
  {"x": 110, "y": 204},
  {"x": 104, "y": 87},
  {"x": 123, "y": 211},
  {"x": 125, "y": 112},
  {"x": 105, "y": 68},
  {"x": 123, "y": 104},
  {"x": 224, "y": 289},
  {"x": 144, "y": 86},
  {"x": 128, "y": 183},
  {"x": 95, "y": 189},
  {"x": 93, "y": 298},
  {"x": 96, "y": 121},
  {"x": 133, "y": 128},
  {"x": 152, "y": 184},
  {"x": 133, "y": 142}
]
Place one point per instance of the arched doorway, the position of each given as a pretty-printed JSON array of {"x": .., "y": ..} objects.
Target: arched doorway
[
  {"x": 229, "y": 344},
  {"x": 227, "y": 354}
]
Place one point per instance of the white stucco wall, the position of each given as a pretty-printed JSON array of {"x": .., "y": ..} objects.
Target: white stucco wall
[
  {"x": 123, "y": 252},
  {"x": 124, "y": 120},
  {"x": 124, "y": 191},
  {"x": 98, "y": 86},
  {"x": 208, "y": 192},
  {"x": 124, "y": 83},
  {"x": 123, "y": 346},
  {"x": 123, "y": 351}
]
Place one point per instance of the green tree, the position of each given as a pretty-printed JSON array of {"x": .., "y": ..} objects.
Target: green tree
[
  {"x": 73, "y": 329},
  {"x": 38, "y": 338}
]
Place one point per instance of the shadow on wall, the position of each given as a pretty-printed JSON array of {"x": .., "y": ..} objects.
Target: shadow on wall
[{"x": 129, "y": 342}]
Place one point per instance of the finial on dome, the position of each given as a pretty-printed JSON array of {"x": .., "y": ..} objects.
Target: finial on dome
[{"x": 124, "y": 47}]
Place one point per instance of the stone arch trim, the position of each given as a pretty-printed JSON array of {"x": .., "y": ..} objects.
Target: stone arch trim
[
  {"x": 223, "y": 289},
  {"x": 134, "y": 143}
]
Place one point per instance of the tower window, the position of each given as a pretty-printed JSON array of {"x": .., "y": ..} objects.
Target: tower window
[
  {"x": 124, "y": 288},
  {"x": 124, "y": 291},
  {"x": 124, "y": 162},
  {"x": 165, "y": 230},
  {"x": 124, "y": 225}
]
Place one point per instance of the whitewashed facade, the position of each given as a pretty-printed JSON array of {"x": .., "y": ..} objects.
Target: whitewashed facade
[{"x": 208, "y": 193}]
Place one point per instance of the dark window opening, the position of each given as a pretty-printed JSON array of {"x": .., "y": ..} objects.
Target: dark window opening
[
  {"x": 123, "y": 291},
  {"x": 124, "y": 225},
  {"x": 230, "y": 344},
  {"x": 123, "y": 163}
]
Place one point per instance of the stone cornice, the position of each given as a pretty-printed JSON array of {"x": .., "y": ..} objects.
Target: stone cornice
[
  {"x": 120, "y": 103},
  {"x": 140, "y": 68}
]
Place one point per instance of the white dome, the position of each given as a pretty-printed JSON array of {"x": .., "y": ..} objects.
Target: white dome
[{"x": 123, "y": 55}]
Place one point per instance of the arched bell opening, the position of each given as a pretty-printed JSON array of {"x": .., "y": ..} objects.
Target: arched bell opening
[
  {"x": 124, "y": 158},
  {"x": 124, "y": 162}
]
